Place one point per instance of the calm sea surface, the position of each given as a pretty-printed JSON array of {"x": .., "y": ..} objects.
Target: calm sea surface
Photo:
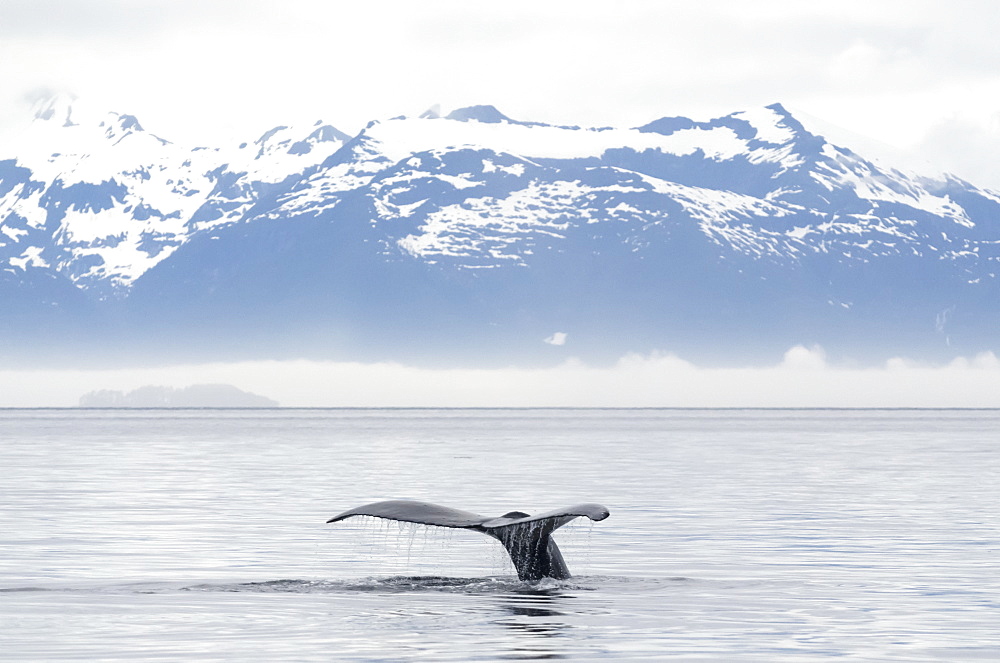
[{"x": 734, "y": 535}]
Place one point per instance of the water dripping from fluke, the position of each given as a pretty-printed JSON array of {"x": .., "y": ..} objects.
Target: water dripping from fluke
[{"x": 527, "y": 539}]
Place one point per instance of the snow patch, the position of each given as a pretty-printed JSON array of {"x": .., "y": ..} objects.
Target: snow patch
[
  {"x": 31, "y": 256},
  {"x": 769, "y": 125}
]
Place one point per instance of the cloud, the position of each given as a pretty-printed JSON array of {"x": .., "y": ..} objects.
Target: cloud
[
  {"x": 802, "y": 379},
  {"x": 557, "y": 338},
  {"x": 206, "y": 68},
  {"x": 967, "y": 145},
  {"x": 803, "y": 358},
  {"x": 127, "y": 20}
]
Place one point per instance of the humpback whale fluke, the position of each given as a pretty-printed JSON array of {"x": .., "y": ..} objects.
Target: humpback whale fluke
[{"x": 527, "y": 539}]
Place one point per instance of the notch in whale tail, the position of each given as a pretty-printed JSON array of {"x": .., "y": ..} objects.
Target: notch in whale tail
[{"x": 527, "y": 539}]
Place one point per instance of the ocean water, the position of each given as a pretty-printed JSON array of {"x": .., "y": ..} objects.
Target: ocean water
[{"x": 777, "y": 535}]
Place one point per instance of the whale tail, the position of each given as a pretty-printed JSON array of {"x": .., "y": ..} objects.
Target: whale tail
[
  {"x": 527, "y": 539},
  {"x": 532, "y": 549}
]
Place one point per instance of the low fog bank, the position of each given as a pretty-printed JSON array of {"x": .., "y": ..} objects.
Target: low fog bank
[{"x": 804, "y": 378}]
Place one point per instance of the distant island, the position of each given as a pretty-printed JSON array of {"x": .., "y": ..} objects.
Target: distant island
[{"x": 199, "y": 395}]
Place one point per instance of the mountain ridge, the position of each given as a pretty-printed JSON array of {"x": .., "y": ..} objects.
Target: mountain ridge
[{"x": 474, "y": 233}]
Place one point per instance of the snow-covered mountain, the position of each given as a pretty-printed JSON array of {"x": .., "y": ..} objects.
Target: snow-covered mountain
[
  {"x": 99, "y": 200},
  {"x": 475, "y": 235}
]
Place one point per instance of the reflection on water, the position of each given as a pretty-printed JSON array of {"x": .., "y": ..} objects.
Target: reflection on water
[
  {"x": 533, "y": 616},
  {"x": 538, "y": 603},
  {"x": 734, "y": 535}
]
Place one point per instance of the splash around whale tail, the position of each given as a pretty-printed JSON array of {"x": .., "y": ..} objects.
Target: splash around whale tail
[{"x": 527, "y": 539}]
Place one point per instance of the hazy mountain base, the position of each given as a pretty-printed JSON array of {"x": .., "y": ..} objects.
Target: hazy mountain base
[
  {"x": 306, "y": 288},
  {"x": 480, "y": 319},
  {"x": 328, "y": 293}
]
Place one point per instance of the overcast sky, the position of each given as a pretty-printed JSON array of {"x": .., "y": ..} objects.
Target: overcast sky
[{"x": 917, "y": 74}]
